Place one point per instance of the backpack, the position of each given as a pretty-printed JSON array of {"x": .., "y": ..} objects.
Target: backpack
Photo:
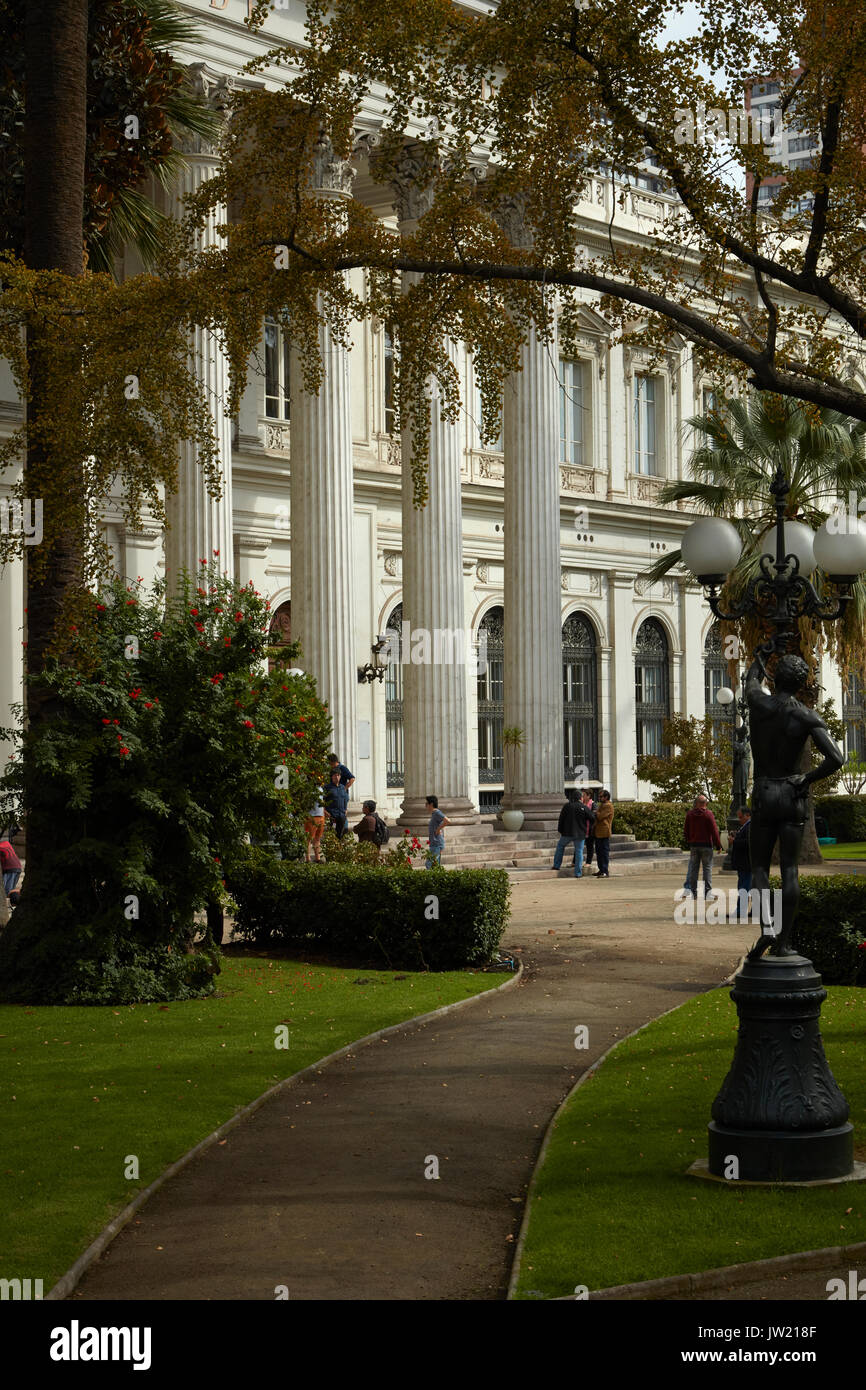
[{"x": 381, "y": 835}]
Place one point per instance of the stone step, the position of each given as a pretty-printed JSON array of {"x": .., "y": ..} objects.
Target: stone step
[{"x": 619, "y": 869}]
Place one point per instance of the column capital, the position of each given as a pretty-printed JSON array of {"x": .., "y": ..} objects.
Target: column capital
[
  {"x": 413, "y": 179},
  {"x": 510, "y": 215},
  {"x": 332, "y": 175},
  {"x": 216, "y": 90}
]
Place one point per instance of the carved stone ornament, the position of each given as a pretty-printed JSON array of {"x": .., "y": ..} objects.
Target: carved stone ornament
[
  {"x": 576, "y": 479},
  {"x": 566, "y": 581},
  {"x": 491, "y": 466},
  {"x": 510, "y": 215},
  {"x": 277, "y": 437},
  {"x": 482, "y": 572},
  {"x": 413, "y": 180},
  {"x": 390, "y": 561},
  {"x": 215, "y": 89},
  {"x": 331, "y": 173},
  {"x": 647, "y": 489}
]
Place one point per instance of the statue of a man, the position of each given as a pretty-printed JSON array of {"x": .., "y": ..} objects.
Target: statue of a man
[{"x": 780, "y": 729}]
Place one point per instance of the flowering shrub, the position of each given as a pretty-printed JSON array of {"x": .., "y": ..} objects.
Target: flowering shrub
[{"x": 165, "y": 750}]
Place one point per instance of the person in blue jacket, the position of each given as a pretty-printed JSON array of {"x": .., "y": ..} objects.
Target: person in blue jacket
[{"x": 336, "y": 801}]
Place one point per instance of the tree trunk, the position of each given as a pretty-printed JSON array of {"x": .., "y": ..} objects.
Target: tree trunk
[{"x": 55, "y": 126}]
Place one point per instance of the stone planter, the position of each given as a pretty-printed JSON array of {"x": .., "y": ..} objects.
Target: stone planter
[{"x": 512, "y": 820}]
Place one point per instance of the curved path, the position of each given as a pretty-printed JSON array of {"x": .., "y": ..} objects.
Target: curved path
[{"x": 323, "y": 1190}]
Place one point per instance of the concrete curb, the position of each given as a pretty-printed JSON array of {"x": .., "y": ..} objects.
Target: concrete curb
[
  {"x": 539, "y": 1163},
  {"x": 727, "y": 1274},
  {"x": 750, "y": 1273},
  {"x": 68, "y": 1281}
]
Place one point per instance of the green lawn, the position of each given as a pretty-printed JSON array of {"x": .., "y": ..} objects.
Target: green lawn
[
  {"x": 86, "y": 1088},
  {"x": 849, "y": 851},
  {"x": 613, "y": 1203}
]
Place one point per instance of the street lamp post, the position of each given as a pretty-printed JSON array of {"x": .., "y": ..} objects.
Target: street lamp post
[
  {"x": 779, "y": 1115},
  {"x": 740, "y": 778}
]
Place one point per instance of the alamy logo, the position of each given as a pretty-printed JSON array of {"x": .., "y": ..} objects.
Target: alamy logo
[
  {"x": 76, "y": 1343},
  {"x": 734, "y": 906},
  {"x": 446, "y": 646},
  {"x": 757, "y": 126},
  {"x": 17, "y": 517},
  {"x": 21, "y": 1290}
]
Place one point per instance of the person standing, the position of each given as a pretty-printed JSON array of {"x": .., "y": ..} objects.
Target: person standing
[
  {"x": 741, "y": 859},
  {"x": 586, "y": 798},
  {"x": 574, "y": 822},
  {"x": 10, "y": 865},
  {"x": 337, "y": 803},
  {"x": 603, "y": 823},
  {"x": 702, "y": 837},
  {"x": 435, "y": 836},
  {"x": 314, "y": 828},
  {"x": 347, "y": 778}
]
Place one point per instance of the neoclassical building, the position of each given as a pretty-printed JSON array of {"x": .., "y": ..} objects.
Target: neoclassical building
[{"x": 534, "y": 549}]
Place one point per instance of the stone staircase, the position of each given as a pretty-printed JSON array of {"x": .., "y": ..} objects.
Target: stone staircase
[{"x": 528, "y": 854}]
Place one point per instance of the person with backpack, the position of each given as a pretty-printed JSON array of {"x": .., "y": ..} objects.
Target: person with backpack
[{"x": 371, "y": 827}]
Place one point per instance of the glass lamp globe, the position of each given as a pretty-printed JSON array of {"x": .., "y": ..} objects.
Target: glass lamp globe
[
  {"x": 840, "y": 545},
  {"x": 710, "y": 547},
  {"x": 295, "y": 671},
  {"x": 799, "y": 541},
  {"x": 725, "y": 696}
]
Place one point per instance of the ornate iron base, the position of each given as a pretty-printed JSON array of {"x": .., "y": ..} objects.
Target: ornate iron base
[{"x": 779, "y": 1112}]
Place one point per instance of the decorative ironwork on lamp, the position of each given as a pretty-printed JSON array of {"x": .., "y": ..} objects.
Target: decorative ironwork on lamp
[{"x": 374, "y": 670}]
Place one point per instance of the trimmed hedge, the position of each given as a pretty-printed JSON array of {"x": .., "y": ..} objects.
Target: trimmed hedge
[
  {"x": 660, "y": 820},
  {"x": 845, "y": 817},
  {"x": 370, "y": 912},
  {"x": 830, "y": 926}
]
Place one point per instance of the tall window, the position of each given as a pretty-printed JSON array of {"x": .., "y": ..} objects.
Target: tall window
[
  {"x": 277, "y": 371},
  {"x": 645, "y": 434},
  {"x": 388, "y": 383},
  {"x": 491, "y": 699},
  {"x": 572, "y": 417},
  {"x": 716, "y": 676},
  {"x": 394, "y": 701},
  {"x": 579, "y": 697},
  {"x": 651, "y": 688},
  {"x": 854, "y": 715}
]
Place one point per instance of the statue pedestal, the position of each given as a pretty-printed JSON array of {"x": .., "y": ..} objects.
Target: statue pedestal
[{"x": 779, "y": 1111}]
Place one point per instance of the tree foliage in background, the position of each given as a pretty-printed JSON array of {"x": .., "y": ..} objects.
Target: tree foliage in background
[
  {"x": 168, "y": 744},
  {"x": 701, "y": 762}
]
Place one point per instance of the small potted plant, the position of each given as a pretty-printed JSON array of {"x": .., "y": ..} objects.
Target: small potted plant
[{"x": 512, "y": 739}]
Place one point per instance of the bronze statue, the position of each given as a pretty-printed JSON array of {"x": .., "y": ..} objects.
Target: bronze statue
[
  {"x": 780, "y": 729},
  {"x": 741, "y": 768}
]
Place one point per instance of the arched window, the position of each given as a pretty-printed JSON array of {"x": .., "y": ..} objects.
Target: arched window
[
  {"x": 651, "y": 688},
  {"x": 394, "y": 701},
  {"x": 716, "y": 676},
  {"x": 277, "y": 371},
  {"x": 854, "y": 715},
  {"x": 579, "y": 697},
  {"x": 280, "y": 628},
  {"x": 491, "y": 697}
]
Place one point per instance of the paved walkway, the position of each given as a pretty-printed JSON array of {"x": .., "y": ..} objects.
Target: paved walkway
[{"x": 323, "y": 1190}]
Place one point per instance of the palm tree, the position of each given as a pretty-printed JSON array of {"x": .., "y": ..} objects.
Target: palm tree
[
  {"x": 129, "y": 69},
  {"x": 742, "y": 444}
]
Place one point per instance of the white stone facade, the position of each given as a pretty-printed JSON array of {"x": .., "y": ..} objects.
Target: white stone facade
[{"x": 344, "y": 530}]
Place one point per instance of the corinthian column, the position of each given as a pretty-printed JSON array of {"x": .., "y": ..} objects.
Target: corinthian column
[
  {"x": 435, "y": 713},
  {"x": 322, "y": 510},
  {"x": 200, "y": 524},
  {"x": 533, "y": 584}
]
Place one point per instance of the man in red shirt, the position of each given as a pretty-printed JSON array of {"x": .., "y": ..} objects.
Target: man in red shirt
[{"x": 702, "y": 837}]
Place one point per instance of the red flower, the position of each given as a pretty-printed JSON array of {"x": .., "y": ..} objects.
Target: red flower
[
  {"x": 238, "y": 617},
  {"x": 194, "y": 612},
  {"x": 148, "y": 704},
  {"x": 100, "y": 607},
  {"x": 131, "y": 602},
  {"x": 123, "y": 752},
  {"x": 227, "y": 641},
  {"x": 248, "y": 724},
  {"x": 215, "y": 680},
  {"x": 106, "y": 721},
  {"x": 115, "y": 721},
  {"x": 203, "y": 592},
  {"x": 199, "y": 627},
  {"x": 157, "y": 634}
]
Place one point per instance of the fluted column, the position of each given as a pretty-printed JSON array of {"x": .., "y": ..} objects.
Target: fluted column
[
  {"x": 435, "y": 704},
  {"x": 533, "y": 583},
  {"x": 12, "y": 654},
  {"x": 322, "y": 512},
  {"x": 200, "y": 524},
  {"x": 533, "y": 576}
]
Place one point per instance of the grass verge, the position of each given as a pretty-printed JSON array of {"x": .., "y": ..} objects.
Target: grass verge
[
  {"x": 857, "y": 850},
  {"x": 613, "y": 1204},
  {"x": 87, "y": 1090}
]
